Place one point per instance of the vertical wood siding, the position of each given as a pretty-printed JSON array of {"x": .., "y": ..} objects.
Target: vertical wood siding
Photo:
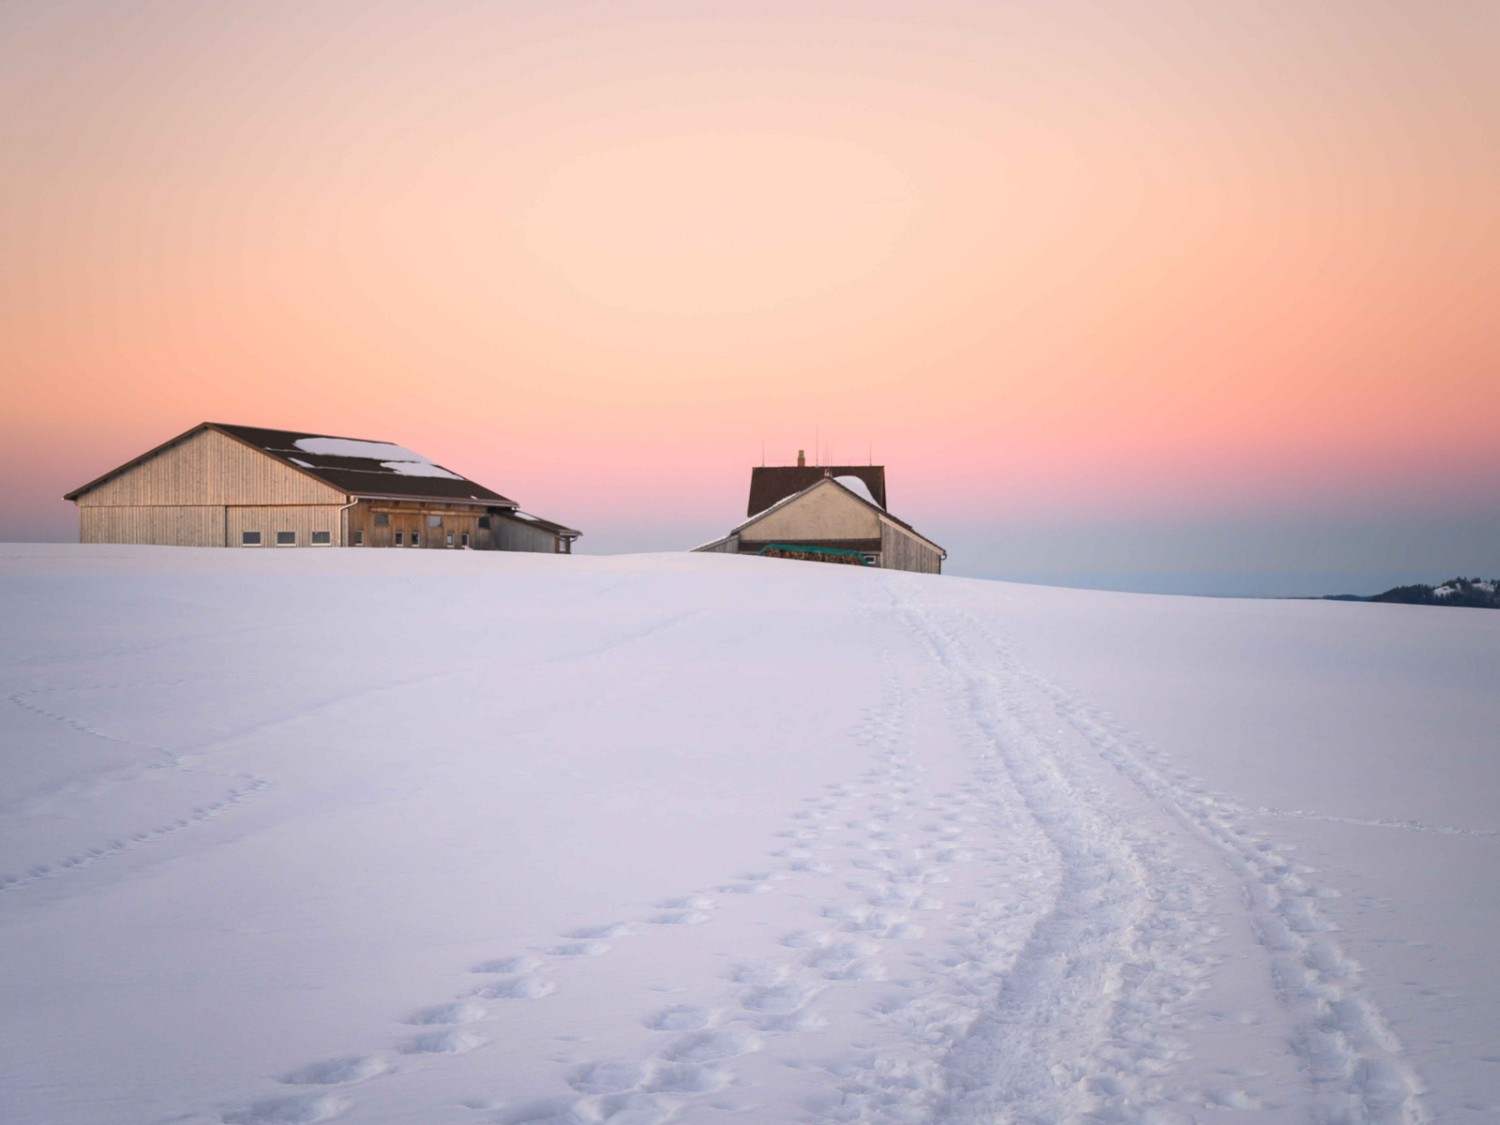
[
  {"x": 210, "y": 468},
  {"x": 301, "y": 519},
  {"x": 518, "y": 535},
  {"x": 175, "y": 526},
  {"x": 900, "y": 550},
  {"x": 412, "y": 516}
]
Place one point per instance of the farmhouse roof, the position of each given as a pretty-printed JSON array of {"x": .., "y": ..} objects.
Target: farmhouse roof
[
  {"x": 821, "y": 479},
  {"x": 773, "y": 483},
  {"x": 352, "y": 465}
]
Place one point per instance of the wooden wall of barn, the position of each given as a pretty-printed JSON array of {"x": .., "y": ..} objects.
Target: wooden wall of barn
[
  {"x": 210, "y": 468},
  {"x": 519, "y": 535},
  {"x": 410, "y": 517},
  {"x": 167, "y": 526},
  {"x": 729, "y": 546},
  {"x": 900, "y": 550},
  {"x": 300, "y": 519}
]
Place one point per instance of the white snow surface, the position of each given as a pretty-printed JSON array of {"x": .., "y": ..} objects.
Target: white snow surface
[
  {"x": 393, "y": 457},
  {"x": 857, "y": 486},
  {"x": 507, "y": 838}
]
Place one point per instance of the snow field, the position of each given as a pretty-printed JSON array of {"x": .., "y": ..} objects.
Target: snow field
[{"x": 666, "y": 838}]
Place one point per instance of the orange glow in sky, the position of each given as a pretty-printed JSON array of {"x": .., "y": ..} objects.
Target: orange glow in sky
[{"x": 1158, "y": 261}]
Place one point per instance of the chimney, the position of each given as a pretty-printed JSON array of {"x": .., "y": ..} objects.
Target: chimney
[{"x": 801, "y": 460}]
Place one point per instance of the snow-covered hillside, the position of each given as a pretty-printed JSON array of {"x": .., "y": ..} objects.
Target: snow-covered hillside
[{"x": 453, "y": 837}]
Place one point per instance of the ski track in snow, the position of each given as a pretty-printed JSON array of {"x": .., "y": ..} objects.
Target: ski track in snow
[
  {"x": 1056, "y": 994},
  {"x": 1079, "y": 1024},
  {"x": 1364, "y": 822},
  {"x": 1354, "y": 1060}
]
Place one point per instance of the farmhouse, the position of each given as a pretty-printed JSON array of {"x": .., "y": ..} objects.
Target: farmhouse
[
  {"x": 242, "y": 486},
  {"x": 832, "y": 513}
]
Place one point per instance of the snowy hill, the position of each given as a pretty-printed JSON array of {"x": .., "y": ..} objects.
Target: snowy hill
[{"x": 457, "y": 837}]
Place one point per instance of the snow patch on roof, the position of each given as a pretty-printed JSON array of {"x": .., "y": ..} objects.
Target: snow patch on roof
[
  {"x": 419, "y": 469},
  {"x": 393, "y": 457},
  {"x": 304, "y": 464},
  {"x": 857, "y": 486}
]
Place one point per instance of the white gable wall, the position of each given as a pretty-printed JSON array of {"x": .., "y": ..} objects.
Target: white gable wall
[{"x": 825, "y": 511}]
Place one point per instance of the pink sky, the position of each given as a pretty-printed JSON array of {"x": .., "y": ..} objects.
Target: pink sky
[{"x": 1056, "y": 262}]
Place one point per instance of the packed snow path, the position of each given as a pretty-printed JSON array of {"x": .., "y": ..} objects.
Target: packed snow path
[{"x": 683, "y": 839}]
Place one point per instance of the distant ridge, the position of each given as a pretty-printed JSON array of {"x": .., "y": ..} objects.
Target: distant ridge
[{"x": 1472, "y": 593}]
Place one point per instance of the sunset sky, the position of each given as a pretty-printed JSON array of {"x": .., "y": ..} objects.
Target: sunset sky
[{"x": 1164, "y": 295}]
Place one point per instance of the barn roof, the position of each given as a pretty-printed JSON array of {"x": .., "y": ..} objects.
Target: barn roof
[
  {"x": 352, "y": 465},
  {"x": 774, "y": 483}
]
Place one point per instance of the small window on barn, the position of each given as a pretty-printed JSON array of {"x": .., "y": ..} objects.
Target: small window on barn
[
  {"x": 359, "y": 538},
  {"x": 399, "y": 540},
  {"x": 382, "y": 519},
  {"x": 466, "y": 539},
  {"x": 416, "y": 538},
  {"x": 249, "y": 539},
  {"x": 484, "y": 522},
  {"x": 286, "y": 539},
  {"x": 322, "y": 539},
  {"x": 450, "y": 538},
  {"x": 434, "y": 521}
]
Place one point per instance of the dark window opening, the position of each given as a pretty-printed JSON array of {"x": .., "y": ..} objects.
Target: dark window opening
[
  {"x": 249, "y": 539},
  {"x": 382, "y": 519},
  {"x": 359, "y": 538},
  {"x": 322, "y": 539},
  {"x": 286, "y": 539},
  {"x": 450, "y": 538},
  {"x": 416, "y": 539},
  {"x": 484, "y": 522},
  {"x": 399, "y": 540},
  {"x": 466, "y": 539}
]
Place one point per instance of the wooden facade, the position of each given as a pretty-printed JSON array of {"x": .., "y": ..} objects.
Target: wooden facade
[
  {"x": 211, "y": 487},
  {"x": 828, "y": 515}
]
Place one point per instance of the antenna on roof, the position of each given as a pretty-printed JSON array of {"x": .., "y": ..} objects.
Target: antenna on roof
[{"x": 762, "y": 455}]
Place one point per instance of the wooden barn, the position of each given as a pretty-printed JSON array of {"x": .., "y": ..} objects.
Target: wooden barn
[
  {"x": 832, "y": 513},
  {"x": 242, "y": 486}
]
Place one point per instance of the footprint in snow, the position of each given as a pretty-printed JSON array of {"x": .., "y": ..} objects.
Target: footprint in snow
[
  {"x": 521, "y": 988},
  {"x": 443, "y": 1043},
  {"x": 711, "y": 1046},
  {"x": 336, "y": 1072},
  {"x": 680, "y": 918},
  {"x": 608, "y": 1077},
  {"x": 681, "y": 1017},
  {"x": 582, "y": 949},
  {"x": 462, "y": 1011},
  {"x": 686, "y": 902},
  {"x": 593, "y": 933},
  {"x": 523, "y": 964},
  {"x": 288, "y": 1111}
]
